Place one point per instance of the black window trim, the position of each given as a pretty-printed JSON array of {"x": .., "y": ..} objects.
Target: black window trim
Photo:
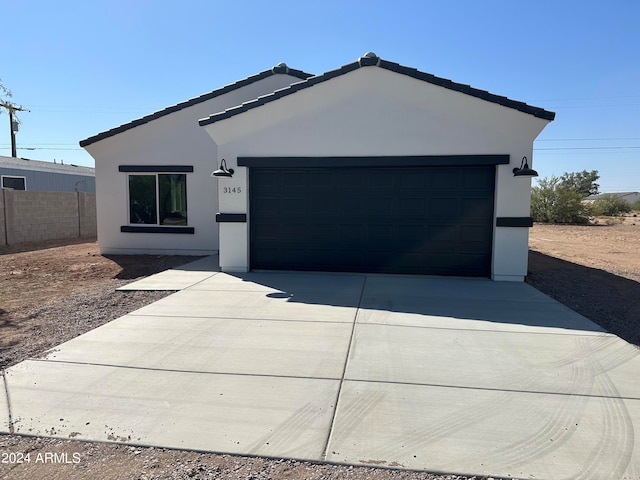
[
  {"x": 156, "y": 227},
  {"x": 156, "y": 168}
]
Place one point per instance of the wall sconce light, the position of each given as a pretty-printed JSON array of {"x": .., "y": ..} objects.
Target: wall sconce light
[
  {"x": 223, "y": 171},
  {"x": 524, "y": 170}
]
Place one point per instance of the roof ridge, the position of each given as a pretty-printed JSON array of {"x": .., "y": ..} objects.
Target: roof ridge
[
  {"x": 281, "y": 68},
  {"x": 371, "y": 59}
]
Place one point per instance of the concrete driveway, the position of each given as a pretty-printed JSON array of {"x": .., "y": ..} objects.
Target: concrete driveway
[{"x": 442, "y": 374}]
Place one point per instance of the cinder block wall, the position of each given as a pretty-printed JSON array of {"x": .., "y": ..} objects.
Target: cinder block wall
[
  {"x": 33, "y": 216},
  {"x": 3, "y": 234},
  {"x": 87, "y": 212}
]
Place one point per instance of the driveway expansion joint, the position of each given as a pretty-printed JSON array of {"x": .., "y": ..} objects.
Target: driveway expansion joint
[
  {"x": 170, "y": 370},
  {"x": 344, "y": 371},
  {"x": 6, "y": 391},
  {"x": 489, "y": 389},
  {"x": 594, "y": 333}
]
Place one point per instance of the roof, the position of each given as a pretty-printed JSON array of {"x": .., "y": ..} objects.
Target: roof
[
  {"x": 40, "y": 166},
  {"x": 371, "y": 59},
  {"x": 281, "y": 68}
]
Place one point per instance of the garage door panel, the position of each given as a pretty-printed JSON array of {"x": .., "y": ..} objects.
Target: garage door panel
[
  {"x": 379, "y": 233},
  {"x": 380, "y": 207},
  {"x": 423, "y": 220},
  {"x": 441, "y": 179},
  {"x": 348, "y": 179},
  {"x": 480, "y": 179},
  {"x": 380, "y": 179}
]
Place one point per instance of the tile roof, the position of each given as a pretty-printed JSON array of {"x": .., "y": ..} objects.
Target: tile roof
[
  {"x": 371, "y": 59},
  {"x": 281, "y": 68}
]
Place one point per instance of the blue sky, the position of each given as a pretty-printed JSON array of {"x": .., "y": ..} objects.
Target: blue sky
[{"x": 82, "y": 67}]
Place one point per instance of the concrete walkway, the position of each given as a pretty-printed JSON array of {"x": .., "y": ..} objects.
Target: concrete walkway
[
  {"x": 442, "y": 374},
  {"x": 177, "y": 278}
]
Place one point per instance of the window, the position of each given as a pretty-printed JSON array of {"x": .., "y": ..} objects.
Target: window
[
  {"x": 17, "y": 183},
  {"x": 158, "y": 199}
]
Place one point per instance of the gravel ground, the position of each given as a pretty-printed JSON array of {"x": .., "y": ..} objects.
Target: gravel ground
[{"x": 110, "y": 461}]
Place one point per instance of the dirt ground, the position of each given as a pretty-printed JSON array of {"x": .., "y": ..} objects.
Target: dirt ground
[
  {"x": 614, "y": 248},
  {"x": 46, "y": 271},
  {"x": 593, "y": 269}
]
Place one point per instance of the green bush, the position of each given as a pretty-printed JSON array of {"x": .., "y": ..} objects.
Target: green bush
[
  {"x": 553, "y": 201},
  {"x": 636, "y": 206},
  {"x": 610, "y": 205}
]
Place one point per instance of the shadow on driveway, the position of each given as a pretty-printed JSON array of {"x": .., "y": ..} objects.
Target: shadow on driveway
[
  {"x": 413, "y": 301},
  {"x": 611, "y": 301},
  {"x": 136, "y": 266}
]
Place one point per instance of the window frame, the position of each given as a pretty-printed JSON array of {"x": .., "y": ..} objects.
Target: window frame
[
  {"x": 157, "y": 225},
  {"x": 24, "y": 181}
]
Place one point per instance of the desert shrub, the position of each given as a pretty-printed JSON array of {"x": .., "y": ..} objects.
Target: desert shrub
[
  {"x": 553, "y": 201},
  {"x": 635, "y": 207},
  {"x": 583, "y": 182},
  {"x": 610, "y": 205}
]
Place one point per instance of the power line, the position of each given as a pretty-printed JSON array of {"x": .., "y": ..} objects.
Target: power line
[
  {"x": 41, "y": 148},
  {"x": 587, "y": 98},
  {"x": 584, "y": 139},
  {"x": 587, "y": 148},
  {"x": 597, "y": 106}
]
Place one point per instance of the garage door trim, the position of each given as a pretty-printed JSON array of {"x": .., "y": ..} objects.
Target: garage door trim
[{"x": 385, "y": 161}]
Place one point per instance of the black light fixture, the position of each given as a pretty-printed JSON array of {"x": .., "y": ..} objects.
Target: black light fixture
[
  {"x": 223, "y": 171},
  {"x": 524, "y": 170}
]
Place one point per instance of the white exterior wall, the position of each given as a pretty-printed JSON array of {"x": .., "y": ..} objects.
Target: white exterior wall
[
  {"x": 173, "y": 139},
  {"x": 375, "y": 112}
]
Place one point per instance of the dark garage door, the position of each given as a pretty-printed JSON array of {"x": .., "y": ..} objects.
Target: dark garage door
[{"x": 415, "y": 220}]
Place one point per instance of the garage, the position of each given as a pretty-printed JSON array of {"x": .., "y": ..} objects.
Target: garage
[
  {"x": 376, "y": 167},
  {"x": 434, "y": 220}
]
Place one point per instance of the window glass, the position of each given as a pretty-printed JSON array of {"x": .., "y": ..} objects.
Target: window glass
[
  {"x": 17, "y": 183},
  {"x": 172, "y": 191},
  {"x": 158, "y": 199},
  {"x": 142, "y": 199}
]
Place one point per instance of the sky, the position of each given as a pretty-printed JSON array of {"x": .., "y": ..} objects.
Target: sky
[{"x": 83, "y": 67}]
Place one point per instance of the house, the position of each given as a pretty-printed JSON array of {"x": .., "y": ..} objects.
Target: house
[
  {"x": 373, "y": 167},
  {"x": 629, "y": 197},
  {"x": 35, "y": 175}
]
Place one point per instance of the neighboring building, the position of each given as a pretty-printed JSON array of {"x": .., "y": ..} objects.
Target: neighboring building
[
  {"x": 373, "y": 167},
  {"x": 629, "y": 197},
  {"x": 25, "y": 174}
]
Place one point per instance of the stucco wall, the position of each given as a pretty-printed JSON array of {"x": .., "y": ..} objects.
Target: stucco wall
[
  {"x": 374, "y": 112},
  {"x": 174, "y": 139},
  {"x": 30, "y": 216}
]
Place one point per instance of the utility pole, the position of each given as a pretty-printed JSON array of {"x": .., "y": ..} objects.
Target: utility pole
[{"x": 13, "y": 123}]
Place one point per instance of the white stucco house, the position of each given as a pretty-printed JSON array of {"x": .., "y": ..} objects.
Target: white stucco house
[{"x": 373, "y": 167}]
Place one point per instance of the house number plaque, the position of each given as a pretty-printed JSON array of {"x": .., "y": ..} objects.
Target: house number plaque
[{"x": 231, "y": 189}]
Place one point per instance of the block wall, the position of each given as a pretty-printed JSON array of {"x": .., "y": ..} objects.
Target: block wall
[{"x": 32, "y": 216}]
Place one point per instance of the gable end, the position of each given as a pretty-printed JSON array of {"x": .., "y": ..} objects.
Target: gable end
[
  {"x": 369, "y": 60},
  {"x": 278, "y": 69}
]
